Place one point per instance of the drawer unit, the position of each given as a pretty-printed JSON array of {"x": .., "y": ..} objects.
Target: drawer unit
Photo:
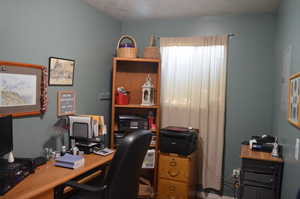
[
  {"x": 174, "y": 168},
  {"x": 177, "y": 176},
  {"x": 261, "y": 175},
  {"x": 169, "y": 189},
  {"x": 258, "y": 193},
  {"x": 261, "y": 166}
]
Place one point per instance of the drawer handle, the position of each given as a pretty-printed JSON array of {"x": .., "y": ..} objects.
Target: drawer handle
[
  {"x": 172, "y": 188},
  {"x": 173, "y": 173},
  {"x": 173, "y": 164}
]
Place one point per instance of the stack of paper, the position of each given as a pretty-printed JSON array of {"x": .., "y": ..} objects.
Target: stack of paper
[{"x": 70, "y": 161}]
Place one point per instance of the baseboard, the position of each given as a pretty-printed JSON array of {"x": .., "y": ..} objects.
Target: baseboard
[{"x": 212, "y": 196}]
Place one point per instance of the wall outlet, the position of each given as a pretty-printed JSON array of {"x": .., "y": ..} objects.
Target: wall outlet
[
  {"x": 297, "y": 149},
  {"x": 104, "y": 95},
  {"x": 236, "y": 173}
]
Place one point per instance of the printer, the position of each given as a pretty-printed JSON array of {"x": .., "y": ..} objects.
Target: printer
[{"x": 178, "y": 140}]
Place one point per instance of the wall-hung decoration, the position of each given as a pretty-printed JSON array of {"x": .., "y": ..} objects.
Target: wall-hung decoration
[
  {"x": 61, "y": 71},
  {"x": 66, "y": 103},
  {"x": 294, "y": 100},
  {"x": 20, "y": 88}
]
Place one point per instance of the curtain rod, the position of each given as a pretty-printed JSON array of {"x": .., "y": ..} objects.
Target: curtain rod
[{"x": 229, "y": 35}]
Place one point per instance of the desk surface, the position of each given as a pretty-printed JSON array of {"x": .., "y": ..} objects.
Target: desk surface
[
  {"x": 257, "y": 155},
  {"x": 48, "y": 176}
]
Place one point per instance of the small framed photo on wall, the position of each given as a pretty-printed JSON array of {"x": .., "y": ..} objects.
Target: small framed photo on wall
[
  {"x": 61, "y": 71},
  {"x": 294, "y": 100},
  {"x": 66, "y": 102}
]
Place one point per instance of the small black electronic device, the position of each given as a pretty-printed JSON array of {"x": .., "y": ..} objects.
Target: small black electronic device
[
  {"x": 263, "y": 139},
  {"x": 13, "y": 173},
  {"x": 131, "y": 122},
  {"x": 38, "y": 161}
]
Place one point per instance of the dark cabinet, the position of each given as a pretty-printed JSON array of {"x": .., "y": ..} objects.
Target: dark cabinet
[
  {"x": 257, "y": 193},
  {"x": 261, "y": 175}
]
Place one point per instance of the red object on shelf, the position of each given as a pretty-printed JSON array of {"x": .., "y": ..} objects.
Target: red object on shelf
[{"x": 122, "y": 99}]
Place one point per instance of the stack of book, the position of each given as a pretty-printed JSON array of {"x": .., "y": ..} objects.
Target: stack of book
[{"x": 70, "y": 161}]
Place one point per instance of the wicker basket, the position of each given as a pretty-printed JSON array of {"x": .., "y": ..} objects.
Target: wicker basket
[
  {"x": 151, "y": 52},
  {"x": 126, "y": 52}
]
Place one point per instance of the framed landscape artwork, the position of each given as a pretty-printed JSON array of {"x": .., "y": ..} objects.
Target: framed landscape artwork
[
  {"x": 20, "y": 88},
  {"x": 294, "y": 100},
  {"x": 61, "y": 71}
]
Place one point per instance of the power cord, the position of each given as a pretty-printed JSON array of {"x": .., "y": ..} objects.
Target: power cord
[{"x": 233, "y": 183}]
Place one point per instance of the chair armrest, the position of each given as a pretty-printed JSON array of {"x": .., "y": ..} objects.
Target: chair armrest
[{"x": 85, "y": 187}]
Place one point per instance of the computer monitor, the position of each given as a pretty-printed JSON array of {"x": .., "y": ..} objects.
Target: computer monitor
[{"x": 6, "y": 135}]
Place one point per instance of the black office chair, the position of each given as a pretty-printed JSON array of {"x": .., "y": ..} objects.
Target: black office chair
[{"x": 121, "y": 181}]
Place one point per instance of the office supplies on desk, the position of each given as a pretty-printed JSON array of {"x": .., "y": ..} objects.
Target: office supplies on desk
[
  {"x": 70, "y": 161},
  {"x": 83, "y": 131},
  {"x": 81, "y": 126},
  {"x": 264, "y": 143},
  {"x": 103, "y": 152}
]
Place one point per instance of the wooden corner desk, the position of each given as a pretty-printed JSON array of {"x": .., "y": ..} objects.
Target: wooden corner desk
[{"x": 41, "y": 184}]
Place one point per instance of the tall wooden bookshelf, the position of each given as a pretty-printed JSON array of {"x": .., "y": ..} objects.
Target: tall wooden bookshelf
[{"x": 131, "y": 73}]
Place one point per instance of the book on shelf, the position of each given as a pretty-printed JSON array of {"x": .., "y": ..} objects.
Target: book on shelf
[{"x": 70, "y": 161}]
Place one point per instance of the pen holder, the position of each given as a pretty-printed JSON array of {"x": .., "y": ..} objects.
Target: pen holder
[{"x": 122, "y": 99}]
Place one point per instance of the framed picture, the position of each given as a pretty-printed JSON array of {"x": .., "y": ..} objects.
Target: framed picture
[
  {"x": 294, "y": 100},
  {"x": 20, "y": 89},
  {"x": 61, "y": 71},
  {"x": 66, "y": 103}
]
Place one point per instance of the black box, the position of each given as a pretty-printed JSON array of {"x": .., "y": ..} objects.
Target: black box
[{"x": 182, "y": 141}]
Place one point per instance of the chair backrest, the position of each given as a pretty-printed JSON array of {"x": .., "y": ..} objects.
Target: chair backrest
[{"x": 123, "y": 176}]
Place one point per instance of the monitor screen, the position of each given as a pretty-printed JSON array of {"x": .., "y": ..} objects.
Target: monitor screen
[{"x": 6, "y": 135}]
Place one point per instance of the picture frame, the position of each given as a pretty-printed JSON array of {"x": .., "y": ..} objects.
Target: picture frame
[
  {"x": 294, "y": 100},
  {"x": 66, "y": 103},
  {"x": 20, "y": 89},
  {"x": 61, "y": 71}
]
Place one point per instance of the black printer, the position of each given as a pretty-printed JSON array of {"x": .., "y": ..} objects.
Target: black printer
[{"x": 178, "y": 140}]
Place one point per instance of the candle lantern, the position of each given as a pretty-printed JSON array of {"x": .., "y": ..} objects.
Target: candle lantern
[{"x": 148, "y": 92}]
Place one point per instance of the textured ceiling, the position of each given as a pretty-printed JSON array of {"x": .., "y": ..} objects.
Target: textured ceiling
[{"x": 162, "y": 9}]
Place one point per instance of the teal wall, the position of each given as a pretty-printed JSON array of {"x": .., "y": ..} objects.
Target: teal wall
[
  {"x": 250, "y": 70},
  {"x": 33, "y": 30},
  {"x": 288, "y": 31}
]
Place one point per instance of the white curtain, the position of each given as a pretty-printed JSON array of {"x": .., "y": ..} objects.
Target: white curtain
[{"x": 193, "y": 94}]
